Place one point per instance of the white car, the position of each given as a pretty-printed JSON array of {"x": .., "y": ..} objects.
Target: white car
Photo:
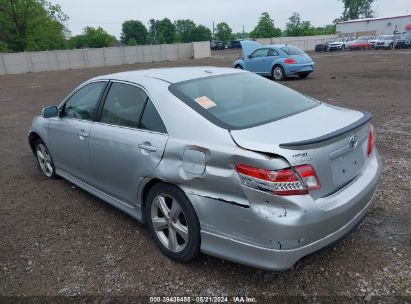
[{"x": 340, "y": 43}]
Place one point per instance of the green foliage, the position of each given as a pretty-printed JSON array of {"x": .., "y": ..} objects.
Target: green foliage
[
  {"x": 200, "y": 33},
  {"x": 223, "y": 32},
  {"x": 265, "y": 28},
  {"x": 166, "y": 31},
  {"x": 134, "y": 29},
  {"x": 328, "y": 29},
  {"x": 184, "y": 29},
  {"x": 92, "y": 38},
  {"x": 356, "y": 9},
  {"x": 296, "y": 27},
  {"x": 132, "y": 42},
  {"x": 31, "y": 25}
]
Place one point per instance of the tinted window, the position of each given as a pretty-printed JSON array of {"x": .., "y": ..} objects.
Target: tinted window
[
  {"x": 272, "y": 52},
  {"x": 260, "y": 53},
  {"x": 124, "y": 105},
  {"x": 82, "y": 104},
  {"x": 151, "y": 120},
  {"x": 292, "y": 50},
  {"x": 241, "y": 100}
]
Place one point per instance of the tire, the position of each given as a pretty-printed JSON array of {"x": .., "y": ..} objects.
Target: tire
[
  {"x": 303, "y": 75},
  {"x": 238, "y": 67},
  {"x": 178, "y": 235},
  {"x": 278, "y": 73},
  {"x": 44, "y": 159}
]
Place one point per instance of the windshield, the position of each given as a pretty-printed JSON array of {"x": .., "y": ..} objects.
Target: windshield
[
  {"x": 292, "y": 50},
  {"x": 240, "y": 100},
  {"x": 388, "y": 38},
  {"x": 340, "y": 40}
]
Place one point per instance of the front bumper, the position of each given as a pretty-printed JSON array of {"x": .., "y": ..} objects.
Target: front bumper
[
  {"x": 336, "y": 47},
  {"x": 275, "y": 236}
]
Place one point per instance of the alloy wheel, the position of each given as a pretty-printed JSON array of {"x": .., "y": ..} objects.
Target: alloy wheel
[
  {"x": 44, "y": 159},
  {"x": 169, "y": 223}
]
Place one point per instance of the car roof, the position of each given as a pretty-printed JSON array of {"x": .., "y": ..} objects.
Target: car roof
[{"x": 170, "y": 75}]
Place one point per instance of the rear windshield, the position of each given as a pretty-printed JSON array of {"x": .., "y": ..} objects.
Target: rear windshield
[
  {"x": 241, "y": 100},
  {"x": 292, "y": 50}
]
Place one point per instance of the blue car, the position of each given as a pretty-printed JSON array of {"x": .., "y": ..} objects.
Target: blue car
[{"x": 279, "y": 61}]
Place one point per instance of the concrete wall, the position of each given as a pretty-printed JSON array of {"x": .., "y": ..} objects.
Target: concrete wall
[
  {"x": 306, "y": 43},
  {"x": 18, "y": 63},
  {"x": 380, "y": 26}
]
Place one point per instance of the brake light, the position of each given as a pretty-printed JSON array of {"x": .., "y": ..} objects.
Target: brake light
[
  {"x": 370, "y": 140},
  {"x": 292, "y": 181},
  {"x": 290, "y": 61}
]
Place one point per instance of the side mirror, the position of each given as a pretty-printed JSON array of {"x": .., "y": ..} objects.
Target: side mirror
[
  {"x": 49, "y": 112},
  {"x": 249, "y": 57}
]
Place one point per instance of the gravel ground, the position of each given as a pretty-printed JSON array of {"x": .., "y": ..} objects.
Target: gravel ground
[{"x": 56, "y": 239}]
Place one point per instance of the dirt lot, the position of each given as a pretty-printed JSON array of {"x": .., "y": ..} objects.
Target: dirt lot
[{"x": 58, "y": 240}]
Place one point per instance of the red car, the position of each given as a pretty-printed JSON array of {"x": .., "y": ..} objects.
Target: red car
[{"x": 360, "y": 45}]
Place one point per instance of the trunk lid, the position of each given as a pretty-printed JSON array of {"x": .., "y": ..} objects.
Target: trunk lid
[
  {"x": 301, "y": 58},
  {"x": 331, "y": 139}
]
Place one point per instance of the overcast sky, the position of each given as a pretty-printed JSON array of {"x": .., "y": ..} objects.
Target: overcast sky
[{"x": 111, "y": 14}]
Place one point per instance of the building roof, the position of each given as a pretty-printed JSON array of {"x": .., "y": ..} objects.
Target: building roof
[{"x": 372, "y": 19}]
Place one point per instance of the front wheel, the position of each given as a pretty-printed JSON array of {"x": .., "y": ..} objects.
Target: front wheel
[
  {"x": 44, "y": 159},
  {"x": 238, "y": 67},
  {"x": 173, "y": 222},
  {"x": 278, "y": 73}
]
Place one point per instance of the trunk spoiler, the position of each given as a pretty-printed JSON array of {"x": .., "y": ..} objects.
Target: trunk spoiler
[{"x": 366, "y": 118}]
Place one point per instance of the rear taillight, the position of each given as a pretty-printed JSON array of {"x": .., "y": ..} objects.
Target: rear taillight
[
  {"x": 290, "y": 61},
  {"x": 292, "y": 181},
  {"x": 370, "y": 140}
]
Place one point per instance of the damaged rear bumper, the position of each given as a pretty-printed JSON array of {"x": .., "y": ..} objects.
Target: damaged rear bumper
[{"x": 274, "y": 235}]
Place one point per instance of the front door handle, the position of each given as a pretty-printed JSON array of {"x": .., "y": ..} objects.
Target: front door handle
[
  {"x": 82, "y": 133},
  {"x": 148, "y": 147}
]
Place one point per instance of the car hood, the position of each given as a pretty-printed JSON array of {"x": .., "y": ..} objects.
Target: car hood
[
  {"x": 336, "y": 43},
  {"x": 249, "y": 46}
]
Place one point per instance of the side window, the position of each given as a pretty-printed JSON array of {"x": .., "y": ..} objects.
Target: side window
[
  {"x": 260, "y": 53},
  {"x": 272, "y": 52},
  {"x": 124, "y": 105},
  {"x": 82, "y": 104},
  {"x": 151, "y": 120}
]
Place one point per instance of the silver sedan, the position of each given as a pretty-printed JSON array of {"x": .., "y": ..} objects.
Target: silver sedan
[{"x": 215, "y": 160}]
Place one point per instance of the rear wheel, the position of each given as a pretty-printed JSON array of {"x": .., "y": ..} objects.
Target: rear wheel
[
  {"x": 303, "y": 75},
  {"x": 238, "y": 67},
  {"x": 44, "y": 159},
  {"x": 173, "y": 222},
  {"x": 278, "y": 73}
]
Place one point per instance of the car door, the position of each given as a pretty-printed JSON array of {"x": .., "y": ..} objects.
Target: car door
[
  {"x": 255, "y": 62},
  {"x": 126, "y": 142},
  {"x": 68, "y": 133},
  {"x": 272, "y": 55}
]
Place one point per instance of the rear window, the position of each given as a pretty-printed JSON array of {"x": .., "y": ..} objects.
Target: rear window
[
  {"x": 292, "y": 50},
  {"x": 241, "y": 100}
]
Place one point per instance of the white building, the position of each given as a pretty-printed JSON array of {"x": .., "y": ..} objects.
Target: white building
[{"x": 374, "y": 26}]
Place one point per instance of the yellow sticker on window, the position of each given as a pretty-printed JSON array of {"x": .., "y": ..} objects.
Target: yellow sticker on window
[{"x": 205, "y": 102}]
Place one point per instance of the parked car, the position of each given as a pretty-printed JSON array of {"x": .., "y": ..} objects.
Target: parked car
[
  {"x": 384, "y": 42},
  {"x": 217, "y": 45},
  {"x": 322, "y": 47},
  {"x": 215, "y": 160},
  {"x": 359, "y": 45},
  {"x": 278, "y": 61},
  {"x": 236, "y": 44},
  {"x": 340, "y": 43},
  {"x": 403, "y": 41}
]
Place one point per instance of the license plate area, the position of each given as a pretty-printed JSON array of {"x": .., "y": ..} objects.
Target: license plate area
[{"x": 347, "y": 165}]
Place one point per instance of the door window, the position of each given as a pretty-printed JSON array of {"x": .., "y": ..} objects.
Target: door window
[
  {"x": 82, "y": 104},
  {"x": 260, "y": 53},
  {"x": 151, "y": 120},
  {"x": 272, "y": 52},
  {"x": 124, "y": 105}
]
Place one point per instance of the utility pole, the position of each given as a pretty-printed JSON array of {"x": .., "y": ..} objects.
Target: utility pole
[
  {"x": 213, "y": 30},
  {"x": 243, "y": 31}
]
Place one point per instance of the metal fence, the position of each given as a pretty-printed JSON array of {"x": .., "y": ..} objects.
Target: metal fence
[{"x": 18, "y": 63}]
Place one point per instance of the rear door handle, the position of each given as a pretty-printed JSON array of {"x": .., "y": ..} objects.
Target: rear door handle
[{"x": 147, "y": 147}]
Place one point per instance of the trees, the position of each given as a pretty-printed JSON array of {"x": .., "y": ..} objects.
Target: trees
[
  {"x": 201, "y": 33},
  {"x": 31, "y": 25},
  {"x": 134, "y": 29},
  {"x": 265, "y": 28},
  {"x": 296, "y": 27},
  {"x": 184, "y": 28},
  {"x": 166, "y": 31},
  {"x": 92, "y": 38},
  {"x": 356, "y": 9},
  {"x": 223, "y": 32}
]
